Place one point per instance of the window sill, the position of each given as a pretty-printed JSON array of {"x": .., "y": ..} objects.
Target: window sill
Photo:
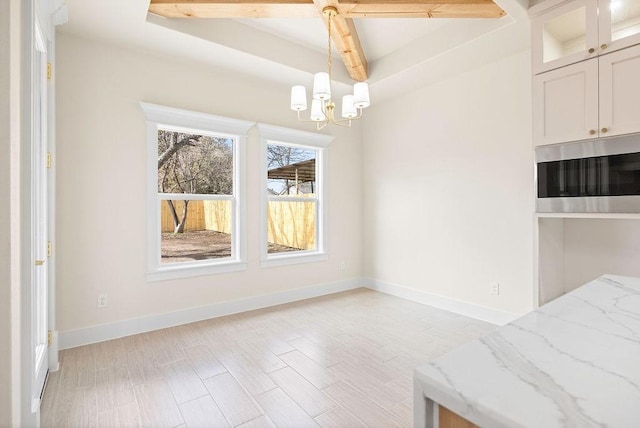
[
  {"x": 289, "y": 259},
  {"x": 189, "y": 270}
]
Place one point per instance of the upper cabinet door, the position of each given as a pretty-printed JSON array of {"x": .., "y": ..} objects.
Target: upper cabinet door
[
  {"x": 620, "y": 92},
  {"x": 619, "y": 24},
  {"x": 565, "y": 34},
  {"x": 565, "y": 104}
]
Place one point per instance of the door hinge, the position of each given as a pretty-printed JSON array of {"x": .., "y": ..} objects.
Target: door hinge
[
  {"x": 48, "y": 160},
  {"x": 49, "y": 338},
  {"x": 48, "y": 71},
  {"x": 49, "y": 249}
]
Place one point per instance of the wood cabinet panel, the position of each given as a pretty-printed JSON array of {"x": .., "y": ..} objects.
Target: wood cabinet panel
[{"x": 449, "y": 419}]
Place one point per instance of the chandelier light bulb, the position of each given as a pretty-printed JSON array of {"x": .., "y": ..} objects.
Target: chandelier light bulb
[
  {"x": 361, "y": 95},
  {"x": 298, "y": 98},
  {"x": 348, "y": 109},
  {"x": 321, "y": 86},
  {"x": 316, "y": 111}
]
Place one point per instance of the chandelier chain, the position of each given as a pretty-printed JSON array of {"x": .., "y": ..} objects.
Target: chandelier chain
[{"x": 329, "y": 44}]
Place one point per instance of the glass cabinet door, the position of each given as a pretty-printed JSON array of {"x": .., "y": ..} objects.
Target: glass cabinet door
[
  {"x": 619, "y": 24},
  {"x": 565, "y": 35}
]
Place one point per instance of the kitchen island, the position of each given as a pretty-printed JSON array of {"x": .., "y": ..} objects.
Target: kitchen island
[{"x": 573, "y": 362}]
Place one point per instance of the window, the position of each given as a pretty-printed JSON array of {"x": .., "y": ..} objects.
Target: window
[
  {"x": 294, "y": 190},
  {"x": 195, "y": 193}
]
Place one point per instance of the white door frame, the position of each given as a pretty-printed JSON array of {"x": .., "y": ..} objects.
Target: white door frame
[
  {"x": 42, "y": 14},
  {"x": 38, "y": 291}
]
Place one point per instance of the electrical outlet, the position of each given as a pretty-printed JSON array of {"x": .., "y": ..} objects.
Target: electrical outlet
[
  {"x": 494, "y": 288},
  {"x": 103, "y": 302}
]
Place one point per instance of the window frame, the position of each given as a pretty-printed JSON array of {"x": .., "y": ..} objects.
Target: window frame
[
  {"x": 174, "y": 119},
  {"x": 270, "y": 134}
]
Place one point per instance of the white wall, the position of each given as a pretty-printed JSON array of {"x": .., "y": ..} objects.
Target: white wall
[
  {"x": 10, "y": 296},
  {"x": 5, "y": 225},
  {"x": 448, "y": 187},
  {"x": 101, "y": 184},
  {"x": 594, "y": 247}
]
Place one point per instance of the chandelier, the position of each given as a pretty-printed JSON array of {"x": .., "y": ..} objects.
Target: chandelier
[{"x": 322, "y": 106}]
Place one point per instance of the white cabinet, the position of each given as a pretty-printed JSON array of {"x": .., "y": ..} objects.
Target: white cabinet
[
  {"x": 619, "y": 89},
  {"x": 566, "y": 32},
  {"x": 596, "y": 98},
  {"x": 565, "y": 104}
]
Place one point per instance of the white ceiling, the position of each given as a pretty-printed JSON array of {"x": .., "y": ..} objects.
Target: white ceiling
[
  {"x": 379, "y": 37},
  {"x": 289, "y": 51}
]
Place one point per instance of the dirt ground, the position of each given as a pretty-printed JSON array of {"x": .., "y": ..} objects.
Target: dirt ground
[{"x": 202, "y": 245}]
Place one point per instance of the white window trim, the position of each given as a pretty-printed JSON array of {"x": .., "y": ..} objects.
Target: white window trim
[
  {"x": 159, "y": 116},
  {"x": 304, "y": 139}
]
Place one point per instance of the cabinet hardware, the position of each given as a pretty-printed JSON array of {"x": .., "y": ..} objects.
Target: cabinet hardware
[
  {"x": 603, "y": 46},
  {"x": 39, "y": 262},
  {"x": 604, "y": 130},
  {"x": 592, "y": 50},
  {"x": 591, "y": 132}
]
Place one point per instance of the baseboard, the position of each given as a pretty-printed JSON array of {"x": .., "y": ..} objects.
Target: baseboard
[
  {"x": 100, "y": 333},
  {"x": 54, "y": 347},
  {"x": 470, "y": 310}
]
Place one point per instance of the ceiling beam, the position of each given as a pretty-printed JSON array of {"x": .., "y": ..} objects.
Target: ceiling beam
[
  {"x": 345, "y": 37},
  {"x": 420, "y": 9},
  {"x": 307, "y": 9},
  {"x": 234, "y": 9}
]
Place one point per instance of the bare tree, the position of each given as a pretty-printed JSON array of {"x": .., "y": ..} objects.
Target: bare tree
[{"x": 193, "y": 164}]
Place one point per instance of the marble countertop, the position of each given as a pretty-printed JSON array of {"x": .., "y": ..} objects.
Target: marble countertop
[{"x": 573, "y": 362}]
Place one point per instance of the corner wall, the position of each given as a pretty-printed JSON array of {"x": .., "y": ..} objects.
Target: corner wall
[
  {"x": 11, "y": 400},
  {"x": 448, "y": 179},
  {"x": 101, "y": 182},
  {"x": 5, "y": 218}
]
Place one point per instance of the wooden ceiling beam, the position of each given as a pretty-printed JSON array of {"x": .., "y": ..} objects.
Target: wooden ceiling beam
[
  {"x": 345, "y": 37},
  {"x": 307, "y": 8},
  {"x": 234, "y": 9},
  {"x": 420, "y": 9}
]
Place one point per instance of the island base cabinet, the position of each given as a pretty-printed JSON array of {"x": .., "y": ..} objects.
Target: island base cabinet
[
  {"x": 429, "y": 414},
  {"x": 449, "y": 419}
]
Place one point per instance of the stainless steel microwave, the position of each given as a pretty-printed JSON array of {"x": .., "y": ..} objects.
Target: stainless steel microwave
[{"x": 595, "y": 176}]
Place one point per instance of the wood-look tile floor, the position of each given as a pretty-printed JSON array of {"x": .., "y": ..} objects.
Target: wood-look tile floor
[{"x": 344, "y": 360}]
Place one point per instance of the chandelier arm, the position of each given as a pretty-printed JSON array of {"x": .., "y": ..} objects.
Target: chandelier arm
[
  {"x": 346, "y": 123},
  {"x": 349, "y": 120},
  {"x": 308, "y": 120}
]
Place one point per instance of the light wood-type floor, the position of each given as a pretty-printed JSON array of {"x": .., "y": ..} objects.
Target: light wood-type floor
[{"x": 344, "y": 360}]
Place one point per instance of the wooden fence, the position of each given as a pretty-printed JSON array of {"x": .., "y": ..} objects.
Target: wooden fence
[
  {"x": 291, "y": 224},
  {"x": 201, "y": 215}
]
